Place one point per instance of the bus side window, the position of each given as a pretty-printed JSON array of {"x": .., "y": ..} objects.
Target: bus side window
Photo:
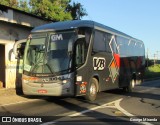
[
  {"x": 80, "y": 52},
  {"x": 107, "y": 41},
  {"x": 99, "y": 43}
]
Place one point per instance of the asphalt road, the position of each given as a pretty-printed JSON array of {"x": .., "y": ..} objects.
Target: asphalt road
[{"x": 142, "y": 106}]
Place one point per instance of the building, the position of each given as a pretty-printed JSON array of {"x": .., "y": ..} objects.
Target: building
[{"x": 14, "y": 25}]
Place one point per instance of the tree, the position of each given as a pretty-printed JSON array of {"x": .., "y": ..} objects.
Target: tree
[
  {"x": 77, "y": 11},
  {"x": 23, "y": 6},
  {"x": 10, "y": 3},
  {"x": 51, "y": 9}
]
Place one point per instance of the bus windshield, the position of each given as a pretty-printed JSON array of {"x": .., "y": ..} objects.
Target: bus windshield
[{"x": 49, "y": 55}]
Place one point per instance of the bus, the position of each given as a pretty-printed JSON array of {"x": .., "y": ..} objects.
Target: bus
[{"x": 80, "y": 58}]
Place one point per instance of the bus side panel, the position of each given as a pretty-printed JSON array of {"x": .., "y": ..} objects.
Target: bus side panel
[
  {"x": 94, "y": 68},
  {"x": 132, "y": 60},
  {"x": 101, "y": 63},
  {"x": 109, "y": 75},
  {"x": 125, "y": 71},
  {"x": 131, "y": 68}
]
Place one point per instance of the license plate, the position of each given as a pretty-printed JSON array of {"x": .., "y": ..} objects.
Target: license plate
[{"x": 42, "y": 91}]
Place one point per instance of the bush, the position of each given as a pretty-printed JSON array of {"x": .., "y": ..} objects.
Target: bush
[{"x": 152, "y": 71}]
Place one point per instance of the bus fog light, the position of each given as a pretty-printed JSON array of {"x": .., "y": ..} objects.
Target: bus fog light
[{"x": 79, "y": 78}]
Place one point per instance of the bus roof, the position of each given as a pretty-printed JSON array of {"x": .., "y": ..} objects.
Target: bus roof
[{"x": 76, "y": 24}]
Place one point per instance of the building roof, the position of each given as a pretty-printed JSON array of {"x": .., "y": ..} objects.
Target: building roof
[
  {"x": 4, "y": 8},
  {"x": 78, "y": 23}
]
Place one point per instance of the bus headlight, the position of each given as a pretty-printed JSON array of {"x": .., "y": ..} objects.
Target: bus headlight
[
  {"x": 29, "y": 79},
  {"x": 25, "y": 81},
  {"x": 66, "y": 81}
]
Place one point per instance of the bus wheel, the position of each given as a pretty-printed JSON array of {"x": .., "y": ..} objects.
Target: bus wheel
[
  {"x": 130, "y": 87},
  {"x": 92, "y": 90}
]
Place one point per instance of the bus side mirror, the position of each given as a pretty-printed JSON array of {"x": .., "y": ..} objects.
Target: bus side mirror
[
  {"x": 18, "y": 48},
  {"x": 70, "y": 47}
]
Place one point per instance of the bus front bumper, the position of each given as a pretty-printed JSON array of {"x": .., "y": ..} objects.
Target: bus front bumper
[{"x": 48, "y": 89}]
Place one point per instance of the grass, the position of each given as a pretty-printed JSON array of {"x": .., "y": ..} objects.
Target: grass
[{"x": 152, "y": 71}]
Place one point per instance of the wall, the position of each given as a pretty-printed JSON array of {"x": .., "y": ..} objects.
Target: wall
[{"x": 8, "y": 34}]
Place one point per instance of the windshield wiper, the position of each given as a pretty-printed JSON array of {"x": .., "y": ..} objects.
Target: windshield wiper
[
  {"x": 37, "y": 62},
  {"x": 49, "y": 67},
  {"x": 65, "y": 70},
  {"x": 42, "y": 60}
]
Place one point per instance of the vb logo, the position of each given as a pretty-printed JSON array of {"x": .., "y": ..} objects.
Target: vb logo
[
  {"x": 99, "y": 63},
  {"x": 56, "y": 37}
]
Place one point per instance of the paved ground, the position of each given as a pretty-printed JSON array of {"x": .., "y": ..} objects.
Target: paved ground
[
  {"x": 144, "y": 101},
  {"x": 9, "y": 96}
]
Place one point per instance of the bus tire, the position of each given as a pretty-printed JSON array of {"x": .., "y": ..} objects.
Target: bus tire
[
  {"x": 92, "y": 90},
  {"x": 130, "y": 87}
]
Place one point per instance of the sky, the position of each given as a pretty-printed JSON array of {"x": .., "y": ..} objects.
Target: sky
[{"x": 137, "y": 18}]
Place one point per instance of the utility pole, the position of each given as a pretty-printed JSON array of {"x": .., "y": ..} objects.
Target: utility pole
[
  {"x": 154, "y": 59},
  {"x": 78, "y": 11},
  {"x": 147, "y": 57},
  {"x": 157, "y": 54}
]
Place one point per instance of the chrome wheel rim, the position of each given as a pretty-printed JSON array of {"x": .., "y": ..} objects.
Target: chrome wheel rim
[
  {"x": 93, "y": 90},
  {"x": 133, "y": 83}
]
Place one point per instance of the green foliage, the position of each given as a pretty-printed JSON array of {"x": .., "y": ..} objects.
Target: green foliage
[
  {"x": 23, "y": 5},
  {"x": 149, "y": 62},
  {"x": 77, "y": 10},
  {"x": 57, "y": 10},
  {"x": 51, "y": 9},
  {"x": 10, "y": 3},
  {"x": 152, "y": 71}
]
